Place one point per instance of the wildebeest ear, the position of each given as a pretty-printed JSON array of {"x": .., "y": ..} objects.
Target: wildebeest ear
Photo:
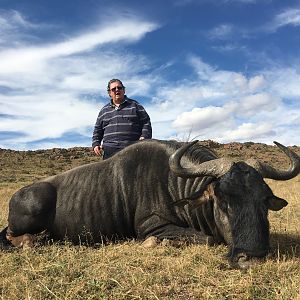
[{"x": 276, "y": 203}]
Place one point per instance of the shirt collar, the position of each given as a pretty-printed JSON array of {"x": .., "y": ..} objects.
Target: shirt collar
[{"x": 121, "y": 104}]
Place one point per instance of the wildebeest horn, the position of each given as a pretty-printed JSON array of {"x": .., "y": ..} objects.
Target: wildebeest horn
[
  {"x": 215, "y": 168},
  {"x": 269, "y": 172}
]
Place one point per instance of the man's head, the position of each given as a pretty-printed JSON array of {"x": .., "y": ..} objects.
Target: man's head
[{"x": 116, "y": 90}]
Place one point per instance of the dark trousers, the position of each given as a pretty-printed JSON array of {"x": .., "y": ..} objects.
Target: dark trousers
[{"x": 109, "y": 152}]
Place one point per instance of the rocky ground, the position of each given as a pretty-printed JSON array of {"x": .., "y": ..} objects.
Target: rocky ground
[{"x": 28, "y": 166}]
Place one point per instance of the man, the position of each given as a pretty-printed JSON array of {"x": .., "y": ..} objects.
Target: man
[{"x": 120, "y": 122}]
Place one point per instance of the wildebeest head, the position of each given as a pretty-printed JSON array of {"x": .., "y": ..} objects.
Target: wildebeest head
[{"x": 241, "y": 200}]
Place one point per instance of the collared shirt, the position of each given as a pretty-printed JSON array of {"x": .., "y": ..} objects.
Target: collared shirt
[
  {"x": 116, "y": 107},
  {"x": 119, "y": 126}
]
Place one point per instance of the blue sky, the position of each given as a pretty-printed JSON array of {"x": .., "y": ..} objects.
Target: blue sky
[{"x": 225, "y": 70}]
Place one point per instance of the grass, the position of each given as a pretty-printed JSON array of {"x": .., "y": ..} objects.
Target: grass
[{"x": 129, "y": 271}]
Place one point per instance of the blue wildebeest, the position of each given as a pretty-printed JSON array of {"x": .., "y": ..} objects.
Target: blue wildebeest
[{"x": 161, "y": 189}]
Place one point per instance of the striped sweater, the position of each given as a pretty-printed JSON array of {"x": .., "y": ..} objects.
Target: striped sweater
[{"x": 119, "y": 127}]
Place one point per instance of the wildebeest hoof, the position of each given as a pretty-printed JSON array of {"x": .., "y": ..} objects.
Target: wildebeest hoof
[
  {"x": 243, "y": 262},
  {"x": 174, "y": 243},
  {"x": 24, "y": 241},
  {"x": 166, "y": 242},
  {"x": 150, "y": 242}
]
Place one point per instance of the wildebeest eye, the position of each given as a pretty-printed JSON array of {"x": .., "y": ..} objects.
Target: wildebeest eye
[
  {"x": 229, "y": 209},
  {"x": 223, "y": 205}
]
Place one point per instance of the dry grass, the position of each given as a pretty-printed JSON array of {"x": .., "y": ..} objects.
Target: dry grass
[{"x": 128, "y": 271}]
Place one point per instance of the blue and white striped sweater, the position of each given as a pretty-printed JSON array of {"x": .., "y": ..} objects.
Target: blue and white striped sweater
[{"x": 119, "y": 127}]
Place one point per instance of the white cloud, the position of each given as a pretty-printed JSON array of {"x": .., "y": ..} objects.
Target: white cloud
[
  {"x": 257, "y": 83},
  {"x": 14, "y": 24},
  {"x": 247, "y": 109},
  {"x": 248, "y": 132},
  {"x": 75, "y": 65},
  {"x": 285, "y": 81},
  {"x": 258, "y": 103},
  {"x": 225, "y": 106},
  {"x": 34, "y": 58},
  {"x": 226, "y": 82},
  {"x": 59, "y": 87},
  {"x": 288, "y": 17},
  {"x": 231, "y": 32},
  {"x": 45, "y": 115},
  {"x": 221, "y": 32},
  {"x": 201, "y": 118},
  {"x": 221, "y": 124},
  {"x": 211, "y": 117},
  {"x": 203, "y": 70},
  {"x": 11, "y": 20}
]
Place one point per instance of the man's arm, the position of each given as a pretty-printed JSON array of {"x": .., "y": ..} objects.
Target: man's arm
[
  {"x": 98, "y": 134},
  {"x": 145, "y": 123}
]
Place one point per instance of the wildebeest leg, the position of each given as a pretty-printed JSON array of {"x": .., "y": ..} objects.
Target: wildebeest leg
[
  {"x": 31, "y": 210},
  {"x": 7, "y": 241},
  {"x": 189, "y": 235},
  {"x": 153, "y": 241},
  {"x": 25, "y": 241},
  {"x": 161, "y": 227}
]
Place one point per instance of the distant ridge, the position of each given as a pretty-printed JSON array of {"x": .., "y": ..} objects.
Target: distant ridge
[{"x": 31, "y": 165}]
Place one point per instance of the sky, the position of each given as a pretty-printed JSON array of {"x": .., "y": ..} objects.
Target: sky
[{"x": 222, "y": 70}]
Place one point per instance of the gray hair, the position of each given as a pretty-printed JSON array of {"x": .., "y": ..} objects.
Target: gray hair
[{"x": 114, "y": 80}]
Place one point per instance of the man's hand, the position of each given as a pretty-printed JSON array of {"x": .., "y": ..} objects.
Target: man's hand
[
  {"x": 141, "y": 138},
  {"x": 98, "y": 150}
]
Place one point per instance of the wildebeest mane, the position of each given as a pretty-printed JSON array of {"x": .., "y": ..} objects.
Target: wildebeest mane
[{"x": 197, "y": 154}]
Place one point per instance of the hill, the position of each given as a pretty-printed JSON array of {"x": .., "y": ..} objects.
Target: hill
[{"x": 27, "y": 166}]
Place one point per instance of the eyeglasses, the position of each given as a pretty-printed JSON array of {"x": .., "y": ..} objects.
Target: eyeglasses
[{"x": 119, "y": 88}]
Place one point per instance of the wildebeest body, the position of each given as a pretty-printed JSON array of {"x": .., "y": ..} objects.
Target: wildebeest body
[
  {"x": 106, "y": 203},
  {"x": 124, "y": 197}
]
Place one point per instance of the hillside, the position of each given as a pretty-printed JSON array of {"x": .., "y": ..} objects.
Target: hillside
[{"x": 27, "y": 166}]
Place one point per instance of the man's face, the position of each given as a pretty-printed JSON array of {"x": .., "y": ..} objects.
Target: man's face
[{"x": 116, "y": 92}]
